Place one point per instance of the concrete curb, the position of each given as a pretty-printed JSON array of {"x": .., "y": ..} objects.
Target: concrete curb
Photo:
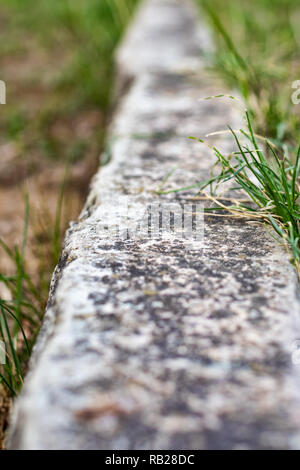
[{"x": 163, "y": 342}]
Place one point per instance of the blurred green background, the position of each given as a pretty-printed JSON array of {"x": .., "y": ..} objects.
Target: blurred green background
[
  {"x": 56, "y": 58},
  {"x": 258, "y": 52}
]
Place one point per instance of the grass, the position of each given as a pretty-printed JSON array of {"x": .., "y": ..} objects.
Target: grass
[
  {"x": 273, "y": 186},
  {"x": 257, "y": 53},
  {"x": 14, "y": 314},
  {"x": 57, "y": 61}
]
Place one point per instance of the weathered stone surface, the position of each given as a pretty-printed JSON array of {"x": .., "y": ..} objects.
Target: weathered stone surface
[{"x": 158, "y": 344}]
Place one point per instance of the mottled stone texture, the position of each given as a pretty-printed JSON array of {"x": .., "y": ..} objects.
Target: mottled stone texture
[{"x": 148, "y": 343}]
